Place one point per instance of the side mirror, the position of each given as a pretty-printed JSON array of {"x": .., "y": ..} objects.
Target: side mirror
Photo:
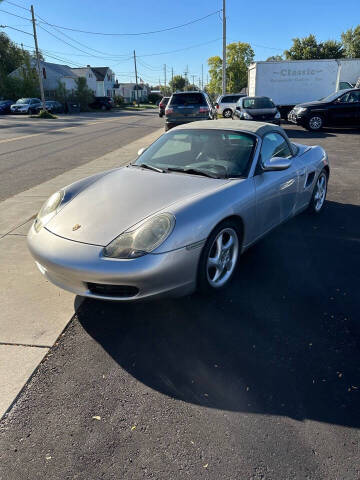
[
  {"x": 142, "y": 150},
  {"x": 276, "y": 164}
]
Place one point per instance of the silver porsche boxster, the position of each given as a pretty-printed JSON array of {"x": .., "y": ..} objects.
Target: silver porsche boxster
[{"x": 179, "y": 216}]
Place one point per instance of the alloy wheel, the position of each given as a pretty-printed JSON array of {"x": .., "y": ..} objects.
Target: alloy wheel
[
  {"x": 227, "y": 113},
  {"x": 320, "y": 192},
  {"x": 315, "y": 123},
  {"x": 222, "y": 257}
]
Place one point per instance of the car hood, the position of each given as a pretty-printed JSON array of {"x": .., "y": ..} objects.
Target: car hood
[
  {"x": 123, "y": 198},
  {"x": 315, "y": 103}
]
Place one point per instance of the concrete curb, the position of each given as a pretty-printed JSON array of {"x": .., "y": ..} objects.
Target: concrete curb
[{"x": 34, "y": 312}]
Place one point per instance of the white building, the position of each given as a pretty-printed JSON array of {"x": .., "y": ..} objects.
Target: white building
[{"x": 130, "y": 92}]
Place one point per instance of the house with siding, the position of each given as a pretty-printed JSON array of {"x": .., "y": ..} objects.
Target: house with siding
[
  {"x": 131, "y": 92},
  {"x": 100, "y": 80},
  {"x": 51, "y": 73}
]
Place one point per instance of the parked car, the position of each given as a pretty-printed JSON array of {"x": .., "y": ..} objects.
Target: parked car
[
  {"x": 5, "y": 106},
  {"x": 220, "y": 186},
  {"x": 26, "y": 105},
  {"x": 260, "y": 109},
  {"x": 162, "y": 106},
  {"x": 52, "y": 106},
  {"x": 185, "y": 107},
  {"x": 338, "y": 109},
  {"x": 226, "y": 104},
  {"x": 102, "y": 103}
]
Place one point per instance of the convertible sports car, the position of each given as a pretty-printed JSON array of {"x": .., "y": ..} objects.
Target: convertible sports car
[{"x": 179, "y": 217}]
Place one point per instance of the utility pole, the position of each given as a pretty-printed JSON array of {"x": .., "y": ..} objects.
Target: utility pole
[
  {"x": 224, "y": 50},
  {"x": 136, "y": 79},
  {"x": 165, "y": 75},
  {"x": 202, "y": 76},
  {"x": 38, "y": 59},
  {"x": 193, "y": 82},
  {"x": 172, "y": 78}
]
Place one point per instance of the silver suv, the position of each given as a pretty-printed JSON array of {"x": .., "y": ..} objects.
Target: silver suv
[{"x": 226, "y": 104}]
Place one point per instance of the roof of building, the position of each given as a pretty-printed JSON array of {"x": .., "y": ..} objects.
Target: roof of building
[
  {"x": 259, "y": 128},
  {"x": 80, "y": 71},
  {"x": 100, "y": 72},
  {"x": 63, "y": 70}
]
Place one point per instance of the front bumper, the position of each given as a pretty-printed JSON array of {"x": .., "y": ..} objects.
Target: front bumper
[
  {"x": 73, "y": 266},
  {"x": 295, "y": 118},
  {"x": 274, "y": 121}
]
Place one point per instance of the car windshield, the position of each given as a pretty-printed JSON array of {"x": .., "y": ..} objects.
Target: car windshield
[
  {"x": 214, "y": 153},
  {"x": 257, "y": 102},
  {"x": 24, "y": 100},
  {"x": 331, "y": 97},
  {"x": 188, "y": 99}
]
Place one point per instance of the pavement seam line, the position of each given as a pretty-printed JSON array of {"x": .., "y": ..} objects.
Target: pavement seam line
[{"x": 25, "y": 345}]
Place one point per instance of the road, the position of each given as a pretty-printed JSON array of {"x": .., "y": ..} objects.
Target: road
[
  {"x": 260, "y": 382},
  {"x": 33, "y": 151}
]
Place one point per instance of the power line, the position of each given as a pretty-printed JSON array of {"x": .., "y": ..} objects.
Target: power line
[
  {"x": 86, "y": 46},
  {"x": 16, "y": 5},
  {"x": 137, "y": 33},
  {"x": 14, "y": 15},
  {"x": 13, "y": 28}
]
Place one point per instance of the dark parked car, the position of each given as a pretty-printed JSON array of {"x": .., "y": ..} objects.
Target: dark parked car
[
  {"x": 52, "y": 106},
  {"x": 185, "y": 107},
  {"x": 338, "y": 109},
  {"x": 5, "y": 106},
  {"x": 102, "y": 103},
  {"x": 260, "y": 109},
  {"x": 162, "y": 106}
]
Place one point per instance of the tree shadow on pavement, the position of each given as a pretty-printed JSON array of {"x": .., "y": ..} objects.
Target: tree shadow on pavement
[{"x": 283, "y": 339}]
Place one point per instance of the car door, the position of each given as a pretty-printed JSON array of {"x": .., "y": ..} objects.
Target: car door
[
  {"x": 276, "y": 191},
  {"x": 343, "y": 111}
]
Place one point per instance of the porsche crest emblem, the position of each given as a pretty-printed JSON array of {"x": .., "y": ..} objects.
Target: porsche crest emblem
[{"x": 76, "y": 227}]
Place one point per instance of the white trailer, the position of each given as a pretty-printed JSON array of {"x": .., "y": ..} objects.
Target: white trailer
[{"x": 289, "y": 83}]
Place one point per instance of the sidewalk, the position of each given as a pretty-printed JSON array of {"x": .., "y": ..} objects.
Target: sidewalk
[{"x": 33, "y": 311}]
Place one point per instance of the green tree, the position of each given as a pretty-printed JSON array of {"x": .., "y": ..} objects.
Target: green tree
[
  {"x": 11, "y": 56},
  {"x": 83, "y": 94},
  {"x": 177, "y": 83},
  {"x": 239, "y": 56},
  {"x": 308, "y": 48},
  {"x": 351, "y": 42},
  {"x": 275, "y": 58},
  {"x": 332, "y": 49},
  {"x": 61, "y": 94}
]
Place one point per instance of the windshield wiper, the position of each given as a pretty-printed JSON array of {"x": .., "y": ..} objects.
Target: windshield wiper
[
  {"x": 149, "y": 167},
  {"x": 193, "y": 171}
]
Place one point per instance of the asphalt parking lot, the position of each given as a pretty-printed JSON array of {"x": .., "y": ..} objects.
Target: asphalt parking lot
[{"x": 260, "y": 382}]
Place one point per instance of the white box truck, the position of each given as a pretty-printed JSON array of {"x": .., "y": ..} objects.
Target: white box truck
[{"x": 289, "y": 83}]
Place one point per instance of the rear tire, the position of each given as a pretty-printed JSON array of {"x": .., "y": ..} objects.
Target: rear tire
[
  {"x": 168, "y": 126},
  {"x": 219, "y": 258},
  {"x": 319, "y": 193},
  {"x": 227, "y": 113}
]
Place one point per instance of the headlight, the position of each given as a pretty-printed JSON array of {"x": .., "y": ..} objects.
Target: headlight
[
  {"x": 277, "y": 115},
  {"x": 143, "y": 240},
  {"x": 48, "y": 210},
  {"x": 300, "y": 109},
  {"x": 247, "y": 116}
]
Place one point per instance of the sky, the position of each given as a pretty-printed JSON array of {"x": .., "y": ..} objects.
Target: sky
[{"x": 268, "y": 26}]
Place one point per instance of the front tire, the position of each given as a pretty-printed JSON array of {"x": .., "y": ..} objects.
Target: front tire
[
  {"x": 227, "y": 113},
  {"x": 315, "y": 123},
  {"x": 319, "y": 194},
  {"x": 219, "y": 257}
]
